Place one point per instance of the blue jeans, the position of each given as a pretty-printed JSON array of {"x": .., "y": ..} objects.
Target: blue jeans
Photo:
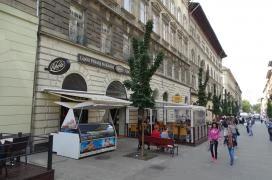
[{"x": 231, "y": 153}]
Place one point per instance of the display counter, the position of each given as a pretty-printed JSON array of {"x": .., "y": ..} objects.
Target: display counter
[{"x": 85, "y": 140}]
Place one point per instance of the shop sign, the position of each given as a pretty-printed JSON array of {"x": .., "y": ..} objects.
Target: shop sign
[
  {"x": 177, "y": 99},
  {"x": 58, "y": 66},
  {"x": 101, "y": 64}
]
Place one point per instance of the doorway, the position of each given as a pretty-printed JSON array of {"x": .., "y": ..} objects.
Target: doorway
[{"x": 74, "y": 82}]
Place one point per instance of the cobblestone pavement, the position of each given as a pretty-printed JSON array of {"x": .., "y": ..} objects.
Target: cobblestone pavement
[{"x": 253, "y": 161}]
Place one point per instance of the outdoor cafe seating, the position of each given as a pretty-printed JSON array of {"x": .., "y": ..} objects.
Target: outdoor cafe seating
[{"x": 12, "y": 147}]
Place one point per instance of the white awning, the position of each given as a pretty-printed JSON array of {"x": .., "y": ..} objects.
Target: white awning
[{"x": 92, "y": 100}]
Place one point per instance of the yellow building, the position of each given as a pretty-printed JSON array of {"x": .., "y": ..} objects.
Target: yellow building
[{"x": 18, "y": 41}]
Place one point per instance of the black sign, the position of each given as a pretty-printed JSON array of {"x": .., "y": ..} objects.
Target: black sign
[
  {"x": 102, "y": 64},
  {"x": 58, "y": 66}
]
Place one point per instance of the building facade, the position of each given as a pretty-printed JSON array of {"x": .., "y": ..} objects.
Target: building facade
[
  {"x": 267, "y": 93},
  {"x": 231, "y": 86},
  {"x": 204, "y": 47},
  {"x": 18, "y": 42},
  {"x": 95, "y": 36}
]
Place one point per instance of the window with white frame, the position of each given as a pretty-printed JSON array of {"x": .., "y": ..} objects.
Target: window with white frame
[
  {"x": 143, "y": 12},
  {"x": 106, "y": 37},
  {"x": 128, "y": 5},
  {"x": 155, "y": 23},
  {"x": 126, "y": 46},
  {"x": 76, "y": 24}
]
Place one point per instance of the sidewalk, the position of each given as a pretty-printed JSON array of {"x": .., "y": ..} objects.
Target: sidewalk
[{"x": 107, "y": 166}]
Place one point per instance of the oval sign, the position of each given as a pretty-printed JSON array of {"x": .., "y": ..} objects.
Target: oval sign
[
  {"x": 59, "y": 66},
  {"x": 119, "y": 69}
]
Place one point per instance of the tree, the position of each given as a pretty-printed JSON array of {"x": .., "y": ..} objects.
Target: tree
[
  {"x": 246, "y": 106},
  {"x": 256, "y": 108},
  {"x": 202, "y": 97},
  {"x": 216, "y": 100},
  {"x": 235, "y": 108},
  {"x": 269, "y": 109},
  {"x": 141, "y": 72}
]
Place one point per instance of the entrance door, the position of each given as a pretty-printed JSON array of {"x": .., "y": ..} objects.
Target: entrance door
[
  {"x": 115, "y": 119},
  {"x": 117, "y": 90}
]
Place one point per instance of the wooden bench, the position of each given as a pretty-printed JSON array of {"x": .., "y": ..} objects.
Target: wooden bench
[{"x": 160, "y": 143}]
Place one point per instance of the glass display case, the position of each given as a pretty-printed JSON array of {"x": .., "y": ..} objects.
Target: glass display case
[{"x": 85, "y": 140}]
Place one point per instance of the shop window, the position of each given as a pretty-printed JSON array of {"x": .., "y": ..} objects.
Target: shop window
[
  {"x": 106, "y": 38},
  {"x": 76, "y": 25},
  {"x": 126, "y": 46},
  {"x": 143, "y": 12}
]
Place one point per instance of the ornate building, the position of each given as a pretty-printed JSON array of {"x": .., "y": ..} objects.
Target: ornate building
[
  {"x": 95, "y": 36},
  {"x": 204, "y": 46}
]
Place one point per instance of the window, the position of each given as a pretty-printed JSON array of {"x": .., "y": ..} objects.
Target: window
[
  {"x": 128, "y": 5},
  {"x": 180, "y": 44},
  {"x": 156, "y": 23},
  {"x": 126, "y": 46},
  {"x": 179, "y": 15},
  {"x": 106, "y": 36},
  {"x": 172, "y": 7},
  {"x": 173, "y": 38},
  {"x": 143, "y": 12},
  {"x": 165, "y": 29},
  {"x": 76, "y": 24}
]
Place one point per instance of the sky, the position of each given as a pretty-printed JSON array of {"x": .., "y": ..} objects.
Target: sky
[{"x": 244, "y": 30}]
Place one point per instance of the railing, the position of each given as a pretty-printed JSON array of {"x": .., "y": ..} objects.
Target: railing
[{"x": 15, "y": 146}]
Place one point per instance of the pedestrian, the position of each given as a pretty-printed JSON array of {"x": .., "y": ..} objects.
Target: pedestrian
[
  {"x": 230, "y": 145},
  {"x": 269, "y": 128},
  {"x": 214, "y": 136},
  {"x": 250, "y": 124},
  {"x": 225, "y": 130},
  {"x": 234, "y": 130},
  {"x": 247, "y": 125}
]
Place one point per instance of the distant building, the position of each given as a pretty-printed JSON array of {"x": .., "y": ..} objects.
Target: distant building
[{"x": 231, "y": 86}]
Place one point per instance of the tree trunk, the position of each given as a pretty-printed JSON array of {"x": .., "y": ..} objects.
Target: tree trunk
[{"x": 141, "y": 115}]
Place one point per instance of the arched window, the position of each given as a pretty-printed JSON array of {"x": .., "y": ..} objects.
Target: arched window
[
  {"x": 156, "y": 94},
  {"x": 74, "y": 82},
  {"x": 117, "y": 90}
]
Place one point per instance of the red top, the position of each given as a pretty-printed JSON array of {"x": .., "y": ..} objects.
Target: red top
[{"x": 156, "y": 133}]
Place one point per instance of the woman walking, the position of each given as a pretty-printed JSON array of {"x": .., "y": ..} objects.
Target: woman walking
[
  {"x": 230, "y": 145},
  {"x": 214, "y": 136}
]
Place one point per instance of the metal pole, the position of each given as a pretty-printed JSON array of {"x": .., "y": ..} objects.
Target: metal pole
[{"x": 50, "y": 151}]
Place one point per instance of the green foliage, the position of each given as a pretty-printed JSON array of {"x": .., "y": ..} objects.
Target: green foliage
[
  {"x": 235, "y": 108},
  {"x": 216, "y": 100},
  {"x": 269, "y": 108},
  {"x": 246, "y": 106},
  {"x": 256, "y": 108},
  {"x": 142, "y": 70},
  {"x": 203, "y": 98}
]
